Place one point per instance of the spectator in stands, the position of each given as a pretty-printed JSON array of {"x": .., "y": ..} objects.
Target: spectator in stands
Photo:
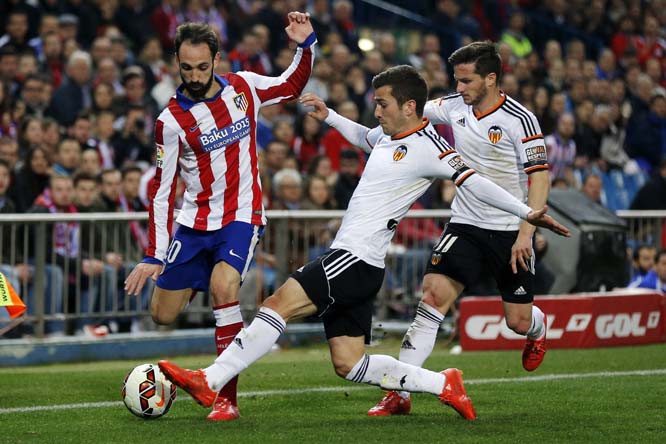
[
  {"x": 81, "y": 131},
  {"x": 9, "y": 152},
  {"x": 646, "y": 138},
  {"x": 31, "y": 180},
  {"x": 652, "y": 196},
  {"x": 644, "y": 258},
  {"x": 17, "y": 31},
  {"x": 283, "y": 131},
  {"x": 655, "y": 279},
  {"x": 75, "y": 93},
  {"x": 318, "y": 195},
  {"x": 343, "y": 23},
  {"x": 287, "y": 189},
  {"x": 151, "y": 60},
  {"x": 31, "y": 133},
  {"x": 90, "y": 164},
  {"x": 52, "y": 137},
  {"x": 333, "y": 141},
  {"x": 108, "y": 73},
  {"x": 515, "y": 36},
  {"x": 110, "y": 189},
  {"x": 32, "y": 94},
  {"x": 321, "y": 166},
  {"x": 561, "y": 149},
  {"x": 592, "y": 188},
  {"x": 247, "y": 56},
  {"x": 133, "y": 143},
  {"x": 68, "y": 157},
  {"x": 165, "y": 19},
  {"x": 103, "y": 132},
  {"x": 276, "y": 153},
  {"x": 102, "y": 95},
  {"x": 307, "y": 143},
  {"x": 348, "y": 178}
]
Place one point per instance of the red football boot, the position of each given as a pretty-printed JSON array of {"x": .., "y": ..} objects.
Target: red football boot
[
  {"x": 223, "y": 410},
  {"x": 391, "y": 404},
  {"x": 454, "y": 395},
  {"x": 192, "y": 381},
  {"x": 535, "y": 350}
]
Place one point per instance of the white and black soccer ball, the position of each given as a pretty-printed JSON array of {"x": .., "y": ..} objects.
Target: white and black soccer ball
[{"x": 147, "y": 393}]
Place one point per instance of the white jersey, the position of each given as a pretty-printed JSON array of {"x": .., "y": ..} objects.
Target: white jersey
[
  {"x": 503, "y": 145},
  {"x": 400, "y": 169}
]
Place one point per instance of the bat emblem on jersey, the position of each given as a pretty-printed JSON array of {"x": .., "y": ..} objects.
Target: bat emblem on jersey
[
  {"x": 495, "y": 134},
  {"x": 400, "y": 153},
  {"x": 435, "y": 258},
  {"x": 241, "y": 102}
]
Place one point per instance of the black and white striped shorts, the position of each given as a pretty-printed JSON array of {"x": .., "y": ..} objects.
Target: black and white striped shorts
[{"x": 343, "y": 287}]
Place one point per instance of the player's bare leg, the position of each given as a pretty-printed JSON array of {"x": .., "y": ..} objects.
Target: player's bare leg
[
  {"x": 528, "y": 320},
  {"x": 439, "y": 293},
  {"x": 166, "y": 305},
  {"x": 224, "y": 286},
  {"x": 253, "y": 342}
]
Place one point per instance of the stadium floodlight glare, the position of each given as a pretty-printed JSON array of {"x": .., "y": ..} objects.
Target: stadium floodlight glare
[{"x": 365, "y": 44}]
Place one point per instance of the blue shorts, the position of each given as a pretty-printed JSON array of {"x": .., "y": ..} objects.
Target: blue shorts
[{"x": 192, "y": 255}]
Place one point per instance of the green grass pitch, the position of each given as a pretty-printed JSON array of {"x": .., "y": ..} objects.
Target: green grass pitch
[{"x": 612, "y": 395}]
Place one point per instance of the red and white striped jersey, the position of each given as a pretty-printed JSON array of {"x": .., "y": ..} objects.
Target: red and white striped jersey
[{"x": 212, "y": 143}]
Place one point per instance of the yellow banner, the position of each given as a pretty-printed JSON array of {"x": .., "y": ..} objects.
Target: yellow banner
[{"x": 9, "y": 299}]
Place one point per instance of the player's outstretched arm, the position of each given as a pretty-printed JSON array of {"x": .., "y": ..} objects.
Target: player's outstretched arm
[
  {"x": 137, "y": 278},
  {"x": 539, "y": 218},
  {"x": 358, "y": 135},
  {"x": 299, "y": 27}
]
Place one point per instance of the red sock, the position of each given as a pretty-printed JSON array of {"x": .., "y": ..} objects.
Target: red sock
[{"x": 228, "y": 323}]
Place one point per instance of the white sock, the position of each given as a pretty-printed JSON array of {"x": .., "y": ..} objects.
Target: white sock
[
  {"x": 391, "y": 374},
  {"x": 418, "y": 342},
  {"x": 227, "y": 314},
  {"x": 249, "y": 345},
  {"x": 537, "y": 329}
]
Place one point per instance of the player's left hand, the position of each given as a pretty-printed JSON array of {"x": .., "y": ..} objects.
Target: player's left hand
[
  {"x": 521, "y": 253},
  {"x": 299, "y": 26},
  {"x": 539, "y": 218}
]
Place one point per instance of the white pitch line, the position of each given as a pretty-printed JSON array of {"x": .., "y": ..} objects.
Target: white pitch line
[{"x": 85, "y": 405}]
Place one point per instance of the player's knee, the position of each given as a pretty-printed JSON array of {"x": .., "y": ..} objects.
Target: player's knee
[
  {"x": 342, "y": 368},
  {"x": 518, "y": 325},
  {"x": 162, "y": 316}
]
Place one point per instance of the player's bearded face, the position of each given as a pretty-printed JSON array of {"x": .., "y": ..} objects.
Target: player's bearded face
[{"x": 197, "y": 89}]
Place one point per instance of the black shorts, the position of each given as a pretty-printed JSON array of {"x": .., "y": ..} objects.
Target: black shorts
[
  {"x": 343, "y": 288},
  {"x": 464, "y": 251}
]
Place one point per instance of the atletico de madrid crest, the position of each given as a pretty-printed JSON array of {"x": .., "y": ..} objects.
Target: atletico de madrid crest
[
  {"x": 399, "y": 153},
  {"x": 435, "y": 258},
  {"x": 495, "y": 134},
  {"x": 241, "y": 102}
]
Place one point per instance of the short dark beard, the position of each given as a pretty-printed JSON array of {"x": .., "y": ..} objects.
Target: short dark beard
[
  {"x": 482, "y": 94},
  {"x": 199, "y": 93}
]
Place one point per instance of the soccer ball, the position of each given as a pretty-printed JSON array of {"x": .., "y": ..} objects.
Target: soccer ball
[{"x": 147, "y": 393}]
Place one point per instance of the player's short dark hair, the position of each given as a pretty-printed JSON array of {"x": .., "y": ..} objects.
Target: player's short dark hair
[
  {"x": 196, "y": 33},
  {"x": 406, "y": 84},
  {"x": 483, "y": 55}
]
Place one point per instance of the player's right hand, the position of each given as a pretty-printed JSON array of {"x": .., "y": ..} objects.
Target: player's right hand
[
  {"x": 539, "y": 218},
  {"x": 137, "y": 278},
  {"x": 312, "y": 100}
]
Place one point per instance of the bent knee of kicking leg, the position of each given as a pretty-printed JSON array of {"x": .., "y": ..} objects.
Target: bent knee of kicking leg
[{"x": 342, "y": 369}]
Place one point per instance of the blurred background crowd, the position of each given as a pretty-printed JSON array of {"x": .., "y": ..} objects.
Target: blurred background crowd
[{"x": 82, "y": 81}]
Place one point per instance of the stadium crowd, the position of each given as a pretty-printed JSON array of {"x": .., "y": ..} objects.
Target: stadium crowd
[{"x": 81, "y": 83}]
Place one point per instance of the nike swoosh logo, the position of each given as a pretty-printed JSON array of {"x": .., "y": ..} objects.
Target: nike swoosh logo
[
  {"x": 161, "y": 402},
  {"x": 231, "y": 252},
  {"x": 194, "y": 128}
]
